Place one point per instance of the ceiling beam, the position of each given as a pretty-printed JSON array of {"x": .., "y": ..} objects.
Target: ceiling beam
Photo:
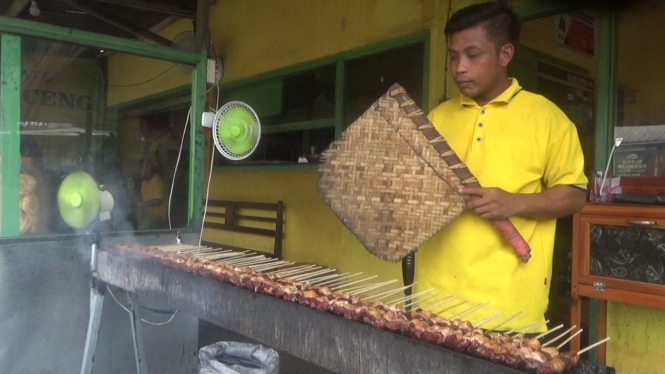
[
  {"x": 171, "y": 10},
  {"x": 97, "y": 13},
  {"x": 16, "y": 7}
]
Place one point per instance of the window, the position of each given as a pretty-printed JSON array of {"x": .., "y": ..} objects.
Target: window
[
  {"x": 299, "y": 112},
  {"x": 68, "y": 127},
  {"x": 640, "y": 94}
]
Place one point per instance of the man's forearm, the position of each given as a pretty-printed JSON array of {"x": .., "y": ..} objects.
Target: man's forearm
[{"x": 558, "y": 201}]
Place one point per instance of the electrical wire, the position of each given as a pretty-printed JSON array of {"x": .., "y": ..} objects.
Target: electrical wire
[
  {"x": 212, "y": 163},
  {"x": 146, "y": 321},
  {"x": 144, "y": 82},
  {"x": 175, "y": 170},
  {"x": 182, "y": 142}
]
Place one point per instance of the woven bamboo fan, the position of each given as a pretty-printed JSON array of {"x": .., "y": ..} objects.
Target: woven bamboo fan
[{"x": 392, "y": 180}]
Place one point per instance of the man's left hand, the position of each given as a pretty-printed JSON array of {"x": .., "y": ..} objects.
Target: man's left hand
[{"x": 492, "y": 203}]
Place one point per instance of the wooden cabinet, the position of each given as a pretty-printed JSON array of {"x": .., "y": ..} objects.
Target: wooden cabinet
[{"x": 618, "y": 255}]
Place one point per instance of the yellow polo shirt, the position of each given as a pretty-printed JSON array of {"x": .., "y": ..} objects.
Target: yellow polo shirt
[
  {"x": 522, "y": 143},
  {"x": 153, "y": 189}
]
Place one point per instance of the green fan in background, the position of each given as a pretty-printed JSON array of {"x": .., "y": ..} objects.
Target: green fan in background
[
  {"x": 236, "y": 129},
  {"x": 80, "y": 200}
]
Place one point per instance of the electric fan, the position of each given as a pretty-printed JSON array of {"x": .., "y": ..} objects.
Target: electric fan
[
  {"x": 236, "y": 129},
  {"x": 81, "y": 201}
]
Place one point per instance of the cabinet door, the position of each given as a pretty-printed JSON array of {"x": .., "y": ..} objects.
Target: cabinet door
[{"x": 624, "y": 252}]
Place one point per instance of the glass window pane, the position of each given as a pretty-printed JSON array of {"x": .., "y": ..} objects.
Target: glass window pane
[
  {"x": 640, "y": 74},
  {"x": 304, "y": 96},
  {"x": 105, "y": 114},
  {"x": 369, "y": 77},
  {"x": 640, "y": 113}
]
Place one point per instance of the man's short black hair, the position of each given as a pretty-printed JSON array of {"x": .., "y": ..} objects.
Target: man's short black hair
[{"x": 499, "y": 19}]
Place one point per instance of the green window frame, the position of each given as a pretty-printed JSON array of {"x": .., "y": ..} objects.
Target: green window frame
[
  {"x": 337, "y": 121},
  {"x": 12, "y": 30}
]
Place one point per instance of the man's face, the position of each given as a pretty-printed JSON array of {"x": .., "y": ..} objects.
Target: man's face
[{"x": 477, "y": 66}]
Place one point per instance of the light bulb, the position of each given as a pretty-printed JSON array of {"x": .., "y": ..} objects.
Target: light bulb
[{"x": 34, "y": 9}]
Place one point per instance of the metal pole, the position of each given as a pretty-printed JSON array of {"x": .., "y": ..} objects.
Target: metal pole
[
  {"x": 137, "y": 333},
  {"x": 97, "y": 293}
]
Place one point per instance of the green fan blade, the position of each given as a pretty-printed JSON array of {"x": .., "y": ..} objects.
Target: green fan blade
[
  {"x": 236, "y": 130},
  {"x": 78, "y": 200}
]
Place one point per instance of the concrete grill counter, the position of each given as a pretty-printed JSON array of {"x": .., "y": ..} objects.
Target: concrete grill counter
[{"x": 322, "y": 338}]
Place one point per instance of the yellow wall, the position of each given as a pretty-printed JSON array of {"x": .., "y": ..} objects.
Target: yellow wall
[
  {"x": 254, "y": 36},
  {"x": 638, "y": 339},
  {"x": 312, "y": 232},
  {"x": 132, "y": 77}
]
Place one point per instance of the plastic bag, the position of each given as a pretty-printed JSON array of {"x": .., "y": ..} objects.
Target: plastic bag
[{"x": 238, "y": 358}]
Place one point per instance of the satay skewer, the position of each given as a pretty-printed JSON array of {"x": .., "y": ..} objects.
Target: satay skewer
[
  {"x": 247, "y": 261},
  {"x": 521, "y": 328},
  {"x": 294, "y": 270},
  {"x": 594, "y": 345},
  {"x": 203, "y": 250},
  {"x": 180, "y": 248},
  {"x": 327, "y": 277},
  {"x": 334, "y": 282},
  {"x": 294, "y": 267},
  {"x": 253, "y": 259},
  {"x": 224, "y": 257},
  {"x": 341, "y": 283},
  {"x": 403, "y": 299},
  {"x": 569, "y": 339},
  {"x": 234, "y": 254},
  {"x": 437, "y": 303},
  {"x": 199, "y": 251},
  {"x": 549, "y": 331},
  {"x": 451, "y": 307},
  {"x": 342, "y": 286},
  {"x": 413, "y": 301},
  {"x": 466, "y": 312},
  {"x": 357, "y": 287},
  {"x": 385, "y": 294},
  {"x": 220, "y": 256},
  {"x": 264, "y": 261},
  {"x": 537, "y": 326},
  {"x": 244, "y": 260},
  {"x": 484, "y": 320},
  {"x": 559, "y": 336},
  {"x": 508, "y": 320},
  {"x": 272, "y": 265},
  {"x": 303, "y": 271},
  {"x": 378, "y": 285},
  {"x": 304, "y": 277}
]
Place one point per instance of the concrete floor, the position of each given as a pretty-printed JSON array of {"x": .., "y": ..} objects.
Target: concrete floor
[{"x": 288, "y": 364}]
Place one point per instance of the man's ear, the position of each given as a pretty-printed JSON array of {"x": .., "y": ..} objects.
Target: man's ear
[{"x": 506, "y": 54}]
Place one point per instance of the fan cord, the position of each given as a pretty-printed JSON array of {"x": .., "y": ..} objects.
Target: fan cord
[
  {"x": 182, "y": 142},
  {"x": 212, "y": 163},
  {"x": 175, "y": 171}
]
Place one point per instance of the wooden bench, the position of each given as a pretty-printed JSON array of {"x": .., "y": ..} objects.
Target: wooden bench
[{"x": 235, "y": 221}]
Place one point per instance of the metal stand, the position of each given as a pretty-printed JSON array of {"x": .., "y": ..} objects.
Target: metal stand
[
  {"x": 96, "y": 304},
  {"x": 137, "y": 333},
  {"x": 97, "y": 294}
]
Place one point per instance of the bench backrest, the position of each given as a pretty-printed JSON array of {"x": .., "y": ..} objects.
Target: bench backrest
[{"x": 234, "y": 221}]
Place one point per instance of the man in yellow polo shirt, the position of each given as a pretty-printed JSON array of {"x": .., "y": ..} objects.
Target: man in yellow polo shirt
[{"x": 526, "y": 154}]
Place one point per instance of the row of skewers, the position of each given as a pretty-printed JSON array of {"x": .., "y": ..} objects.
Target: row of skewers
[{"x": 347, "y": 296}]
